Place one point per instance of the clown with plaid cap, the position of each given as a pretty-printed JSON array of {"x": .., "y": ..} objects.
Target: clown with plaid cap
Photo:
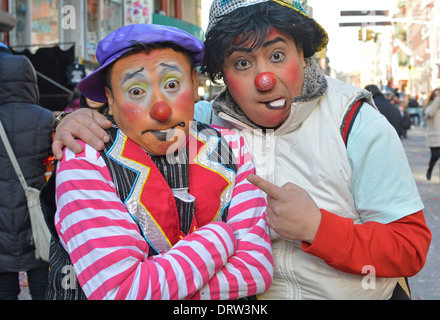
[{"x": 342, "y": 201}]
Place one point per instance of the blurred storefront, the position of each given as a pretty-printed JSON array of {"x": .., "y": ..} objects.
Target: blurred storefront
[
  {"x": 7, "y": 22},
  {"x": 60, "y": 37}
]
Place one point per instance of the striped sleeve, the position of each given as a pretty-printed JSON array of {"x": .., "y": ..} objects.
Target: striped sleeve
[
  {"x": 109, "y": 255},
  {"x": 249, "y": 270}
]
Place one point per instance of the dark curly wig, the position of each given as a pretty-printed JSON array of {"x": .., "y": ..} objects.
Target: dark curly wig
[{"x": 253, "y": 23}]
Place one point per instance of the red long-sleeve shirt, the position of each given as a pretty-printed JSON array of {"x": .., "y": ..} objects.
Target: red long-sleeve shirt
[{"x": 349, "y": 247}]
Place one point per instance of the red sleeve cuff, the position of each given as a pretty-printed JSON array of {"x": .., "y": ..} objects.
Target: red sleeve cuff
[
  {"x": 348, "y": 247},
  {"x": 332, "y": 238}
]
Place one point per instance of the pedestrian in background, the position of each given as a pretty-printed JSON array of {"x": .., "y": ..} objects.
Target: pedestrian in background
[
  {"x": 386, "y": 108},
  {"x": 406, "y": 120},
  {"x": 4, "y": 50},
  {"x": 101, "y": 107},
  {"x": 432, "y": 115},
  {"x": 74, "y": 101},
  {"x": 28, "y": 127},
  {"x": 395, "y": 98}
]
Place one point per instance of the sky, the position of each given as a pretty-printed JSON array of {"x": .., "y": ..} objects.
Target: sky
[{"x": 344, "y": 47}]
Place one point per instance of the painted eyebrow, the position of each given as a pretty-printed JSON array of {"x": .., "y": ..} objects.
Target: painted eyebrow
[
  {"x": 167, "y": 67},
  {"x": 129, "y": 76},
  {"x": 278, "y": 39},
  {"x": 265, "y": 45}
]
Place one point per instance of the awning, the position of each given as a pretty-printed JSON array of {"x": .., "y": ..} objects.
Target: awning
[{"x": 7, "y": 21}]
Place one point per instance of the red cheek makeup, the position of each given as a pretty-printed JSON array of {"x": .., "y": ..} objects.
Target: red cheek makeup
[
  {"x": 185, "y": 100},
  {"x": 131, "y": 111}
]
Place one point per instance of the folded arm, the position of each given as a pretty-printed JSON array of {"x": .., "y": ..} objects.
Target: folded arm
[{"x": 249, "y": 270}]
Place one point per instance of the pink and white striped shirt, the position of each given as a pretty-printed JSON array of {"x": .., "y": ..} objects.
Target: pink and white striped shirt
[{"x": 110, "y": 257}]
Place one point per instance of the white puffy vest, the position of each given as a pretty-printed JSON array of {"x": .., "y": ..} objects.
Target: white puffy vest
[{"x": 308, "y": 150}]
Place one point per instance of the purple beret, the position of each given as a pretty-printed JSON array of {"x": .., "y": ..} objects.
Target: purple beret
[{"x": 112, "y": 47}]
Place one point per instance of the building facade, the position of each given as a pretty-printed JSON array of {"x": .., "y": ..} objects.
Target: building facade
[
  {"x": 85, "y": 22},
  {"x": 56, "y": 34},
  {"x": 423, "y": 38}
]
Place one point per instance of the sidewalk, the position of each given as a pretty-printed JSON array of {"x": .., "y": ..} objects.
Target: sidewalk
[{"x": 426, "y": 284}]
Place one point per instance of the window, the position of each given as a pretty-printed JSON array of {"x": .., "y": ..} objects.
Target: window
[
  {"x": 111, "y": 16},
  {"x": 44, "y": 22},
  {"x": 138, "y": 11},
  {"x": 19, "y": 34},
  {"x": 92, "y": 29}
]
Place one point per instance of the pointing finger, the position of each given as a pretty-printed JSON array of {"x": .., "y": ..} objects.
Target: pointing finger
[{"x": 270, "y": 189}]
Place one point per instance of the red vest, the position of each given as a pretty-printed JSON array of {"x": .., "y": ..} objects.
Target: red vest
[{"x": 151, "y": 201}]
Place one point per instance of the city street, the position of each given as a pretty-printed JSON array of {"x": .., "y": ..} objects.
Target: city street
[
  {"x": 426, "y": 284},
  {"x": 393, "y": 44}
]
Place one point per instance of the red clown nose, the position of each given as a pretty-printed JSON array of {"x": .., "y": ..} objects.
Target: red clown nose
[
  {"x": 161, "y": 112},
  {"x": 265, "y": 81}
]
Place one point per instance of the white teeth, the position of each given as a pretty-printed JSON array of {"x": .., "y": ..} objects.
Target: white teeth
[{"x": 278, "y": 103}]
